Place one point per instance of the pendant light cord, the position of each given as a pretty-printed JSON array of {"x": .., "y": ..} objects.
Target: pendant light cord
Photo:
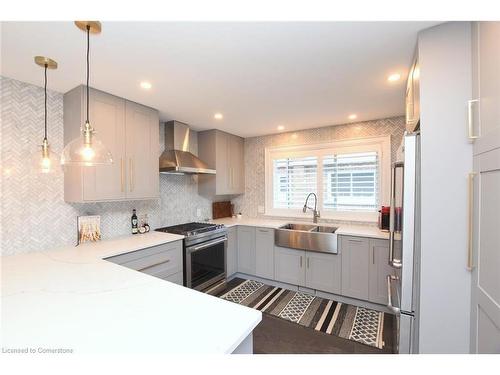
[
  {"x": 88, "y": 63},
  {"x": 45, "y": 106}
]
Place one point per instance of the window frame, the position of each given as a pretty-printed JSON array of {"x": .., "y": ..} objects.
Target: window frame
[{"x": 382, "y": 145}]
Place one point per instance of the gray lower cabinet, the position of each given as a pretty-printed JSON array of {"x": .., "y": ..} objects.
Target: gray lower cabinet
[
  {"x": 355, "y": 266},
  {"x": 264, "y": 251},
  {"x": 232, "y": 251},
  {"x": 289, "y": 265},
  {"x": 323, "y": 272},
  {"x": 246, "y": 250},
  {"x": 162, "y": 261},
  {"x": 379, "y": 269}
]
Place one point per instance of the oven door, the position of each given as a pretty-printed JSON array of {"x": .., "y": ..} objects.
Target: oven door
[{"x": 206, "y": 263}]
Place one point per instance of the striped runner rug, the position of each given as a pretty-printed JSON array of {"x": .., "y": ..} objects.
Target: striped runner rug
[{"x": 331, "y": 317}]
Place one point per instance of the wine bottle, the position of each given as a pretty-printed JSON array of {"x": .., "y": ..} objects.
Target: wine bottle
[{"x": 134, "y": 222}]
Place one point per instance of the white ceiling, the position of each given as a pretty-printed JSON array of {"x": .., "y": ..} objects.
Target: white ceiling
[{"x": 259, "y": 75}]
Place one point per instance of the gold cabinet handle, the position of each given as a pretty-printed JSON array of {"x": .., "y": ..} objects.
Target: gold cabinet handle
[
  {"x": 307, "y": 262},
  {"x": 301, "y": 261},
  {"x": 122, "y": 175},
  {"x": 131, "y": 174},
  {"x": 470, "y": 120},
  {"x": 470, "y": 242}
]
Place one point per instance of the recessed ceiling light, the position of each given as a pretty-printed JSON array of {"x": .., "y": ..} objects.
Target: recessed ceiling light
[
  {"x": 218, "y": 116},
  {"x": 146, "y": 85},
  {"x": 394, "y": 77},
  {"x": 280, "y": 127},
  {"x": 352, "y": 117}
]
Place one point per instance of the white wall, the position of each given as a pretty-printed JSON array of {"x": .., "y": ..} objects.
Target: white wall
[{"x": 445, "y": 58}]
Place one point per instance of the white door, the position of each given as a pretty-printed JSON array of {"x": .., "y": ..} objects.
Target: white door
[
  {"x": 264, "y": 253},
  {"x": 323, "y": 271},
  {"x": 289, "y": 265},
  {"x": 485, "y": 104},
  {"x": 485, "y": 314},
  {"x": 355, "y": 266},
  {"x": 107, "y": 182},
  {"x": 142, "y": 150}
]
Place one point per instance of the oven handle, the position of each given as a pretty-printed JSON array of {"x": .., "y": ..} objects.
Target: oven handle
[{"x": 206, "y": 244}]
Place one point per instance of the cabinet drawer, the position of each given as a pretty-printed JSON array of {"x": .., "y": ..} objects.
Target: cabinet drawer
[{"x": 160, "y": 261}]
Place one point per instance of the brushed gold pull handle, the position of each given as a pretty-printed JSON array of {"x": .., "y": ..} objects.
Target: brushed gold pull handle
[
  {"x": 122, "y": 176},
  {"x": 153, "y": 265},
  {"x": 131, "y": 174},
  {"x": 470, "y": 242},
  {"x": 301, "y": 261},
  {"x": 470, "y": 119},
  {"x": 307, "y": 262},
  {"x": 373, "y": 254}
]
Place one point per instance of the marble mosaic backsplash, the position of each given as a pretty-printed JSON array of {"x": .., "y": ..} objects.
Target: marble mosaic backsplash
[{"x": 34, "y": 215}]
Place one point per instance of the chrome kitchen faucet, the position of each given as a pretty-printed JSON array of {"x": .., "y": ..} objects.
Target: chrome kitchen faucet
[{"x": 316, "y": 214}]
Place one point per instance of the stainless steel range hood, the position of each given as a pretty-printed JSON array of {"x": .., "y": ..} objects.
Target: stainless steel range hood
[{"x": 180, "y": 148}]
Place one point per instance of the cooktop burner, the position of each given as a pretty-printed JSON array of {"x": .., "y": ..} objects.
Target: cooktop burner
[{"x": 191, "y": 229}]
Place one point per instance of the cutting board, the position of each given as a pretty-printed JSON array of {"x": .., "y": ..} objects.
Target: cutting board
[{"x": 222, "y": 209}]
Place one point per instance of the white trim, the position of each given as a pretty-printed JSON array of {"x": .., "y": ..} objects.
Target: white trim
[{"x": 380, "y": 144}]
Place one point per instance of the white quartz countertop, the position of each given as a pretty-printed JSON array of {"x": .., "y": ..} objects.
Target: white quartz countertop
[
  {"x": 71, "y": 298},
  {"x": 343, "y": 229}
]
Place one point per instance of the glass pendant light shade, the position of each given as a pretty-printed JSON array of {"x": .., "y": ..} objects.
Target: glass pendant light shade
[
  {"x": 86, "y": 150},
  {"x": 45, "y": 160}
]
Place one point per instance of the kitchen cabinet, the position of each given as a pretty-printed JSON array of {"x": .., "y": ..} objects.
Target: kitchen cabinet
[
  {"x": 264, "y": 252},
  {"x": 162, "y": 261},
  {"x": 323, "y": 272},
  {"x": 355, "y": 266},
  {"x": 289, "y": 265},
  {"x": 131, "y": 133},
  {"x": 246, "y": 250},
  {"x": 412, "y": 97},
  {"x": 223, "y": 152},
  {"x": 484, "y": 106},
  {"x": 232, "y": 251},
  {"x": 379, "y": 269}
]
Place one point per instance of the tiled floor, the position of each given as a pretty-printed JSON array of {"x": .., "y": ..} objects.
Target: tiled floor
[{"x": 278, "y": 336}]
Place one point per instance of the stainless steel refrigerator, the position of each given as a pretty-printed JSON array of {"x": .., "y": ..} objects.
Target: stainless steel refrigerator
[{"x": 404, "y": 244}]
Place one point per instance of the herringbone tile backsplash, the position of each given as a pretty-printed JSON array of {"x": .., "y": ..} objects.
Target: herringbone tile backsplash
[{"x": 34, "y": 215}]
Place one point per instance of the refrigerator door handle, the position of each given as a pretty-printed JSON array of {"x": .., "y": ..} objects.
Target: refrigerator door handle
[
  {"x": 396, "y": 263},
  {"x": 390, "y": 278}
]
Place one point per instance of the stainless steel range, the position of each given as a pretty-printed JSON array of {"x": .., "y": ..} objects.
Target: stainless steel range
[{"x": 204, "y": 256}]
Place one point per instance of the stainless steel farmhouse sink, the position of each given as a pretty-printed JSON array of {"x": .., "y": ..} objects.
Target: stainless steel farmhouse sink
[{"x": 319, "y": 238}]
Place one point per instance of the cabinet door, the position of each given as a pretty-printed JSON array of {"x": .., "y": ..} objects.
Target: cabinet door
[
  {"x": 323, "y": 272},
  {"x": 379, "y": 270},
  {"x": 486, "y": 85},
  {"x": 236, "y": 165},
  {"x": 289, "y": 265},
  {"x": 222, "y": 157},
  {"x": 142, "y": 150},
  {"x": 355, "y": 260},
  {"x": 232, "y": 252},
  {"x": 264, "y": 251},
  {"x": 107, "y": 117},
  {"x": 246, "y": 250}
]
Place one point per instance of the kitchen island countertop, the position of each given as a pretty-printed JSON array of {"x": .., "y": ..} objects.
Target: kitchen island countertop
[{"x": 70, "y": 298}]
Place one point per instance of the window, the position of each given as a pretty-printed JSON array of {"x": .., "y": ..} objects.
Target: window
[{"x": 350, "y": 178}]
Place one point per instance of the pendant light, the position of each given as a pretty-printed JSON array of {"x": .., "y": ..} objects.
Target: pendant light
[
  {"x": 87, "y": 150},
  {"x": 46, "y": 161}
]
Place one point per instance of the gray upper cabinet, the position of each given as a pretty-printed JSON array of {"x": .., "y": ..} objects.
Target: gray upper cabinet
[
  {"x": 224, "y": 153},
  {"x": 264, "y": 251},
  {"x": 130, "y": 131},
  {"x": 323, "y": 272},
  {"x": 379, "y": 270},
  {"x": 485, "y": 104},
  {"x": 232, "y": 251},
  {"x": 289, "y": 265},
  {"x": 246, "y": 250},
  {"x": 355, "y": 266}
]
